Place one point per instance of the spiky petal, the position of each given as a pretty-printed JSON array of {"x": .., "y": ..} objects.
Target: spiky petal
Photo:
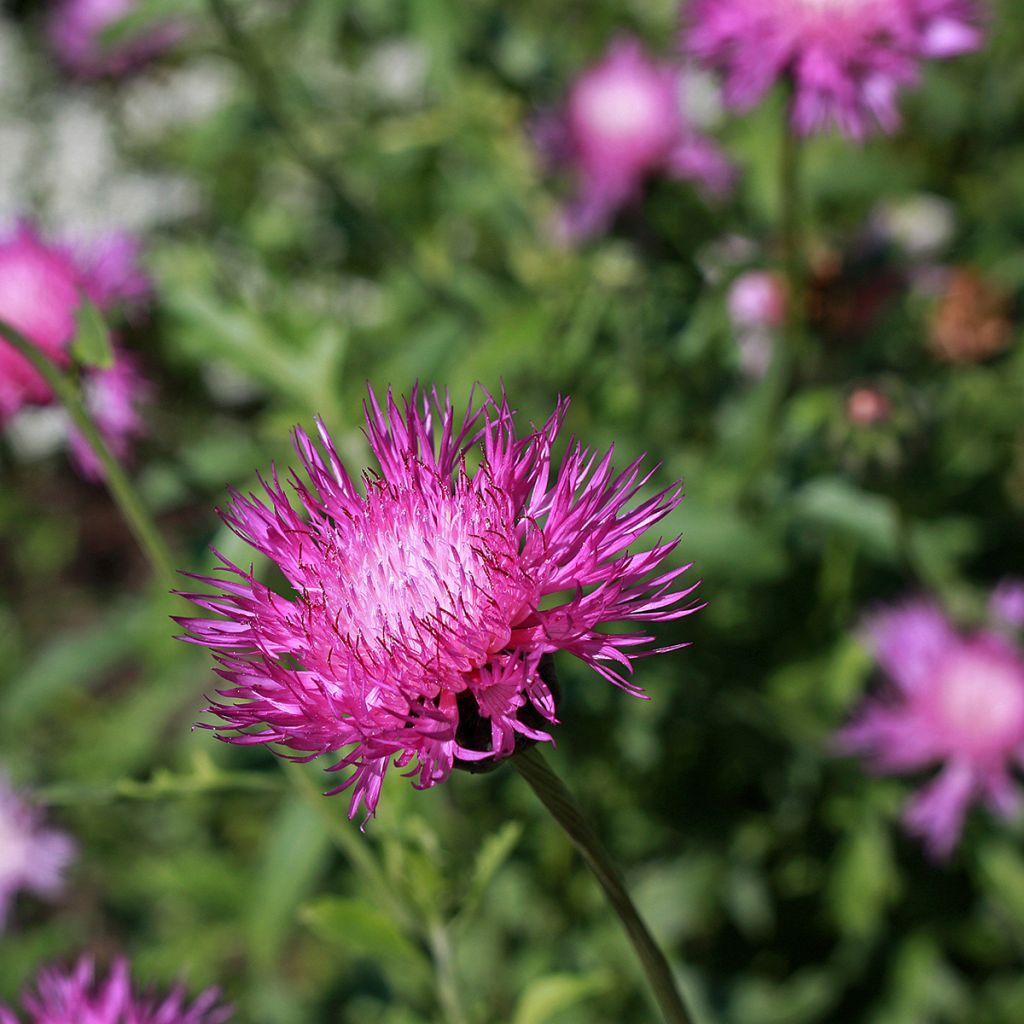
[
  {"x": 846, "y": 60},
  {"x": 956, "y": 702},
  {"x": 430, "y": 592},
  {"x": 78, "y": 995}
]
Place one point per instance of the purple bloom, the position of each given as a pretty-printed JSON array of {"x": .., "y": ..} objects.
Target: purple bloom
[
  {"x": 76, "y": 30},
  {"x": 78, "y": 996},
  {"x": 41, "y": 288},
  {"x": 33, "y": 858},
  {"x": 846, "y": 59},
  {"x": 112, "y": 398},
  {"x": 623, "y": 122},
  {"x": 423, "y": 601},
  {"x": 1007, "y": 603},
  {"x": 956, "y": 700}
]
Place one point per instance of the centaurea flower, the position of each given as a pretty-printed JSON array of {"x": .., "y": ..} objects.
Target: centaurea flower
[
  {"x": 846, "y": 60},
  {"x": 76, "y": 31},
  {"x": 423, "y": 602},
  {"x": 956, "y": 701},
  {"x": 33, "y": 858},
  {"x": 623, "y": 121},
  {"x": 78, "y": 996}
]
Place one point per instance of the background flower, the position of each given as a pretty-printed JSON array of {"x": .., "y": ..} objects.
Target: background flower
[
  {"x": 79, "y": 995},
  {"x": 33, "y": 858},
  {"x": 955, "y": 700}
]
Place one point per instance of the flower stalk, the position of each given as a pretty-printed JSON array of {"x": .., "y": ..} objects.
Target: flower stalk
[
  {"x": 555, "y": 796},
  {"x": 120, "y": 487}
]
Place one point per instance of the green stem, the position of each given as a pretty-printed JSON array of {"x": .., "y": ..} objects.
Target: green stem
[
  {"x": 444, "y": 973},
  {"x": 554, "y": 795},
  {"x": 120, "y": 487}
]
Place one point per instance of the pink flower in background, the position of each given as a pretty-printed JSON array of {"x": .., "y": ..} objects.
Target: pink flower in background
[
  {"x": 956, "y": 702},
  {"x": 76, "y": 30},
  {"x": 1007, "y": 603},
  {"x": 33, "y": 858},
  {"x": 757, "y": 309},
  {"x": 112, "y": 398},
  {"x": 422, "y": 602},
  {"x": 41, "y": 288},
  {"x": 79, "y": 997},
  {"x": 39, "y": 294},
  {"x": 847, "y": 60},
  {"x": 622, "y": 123}
]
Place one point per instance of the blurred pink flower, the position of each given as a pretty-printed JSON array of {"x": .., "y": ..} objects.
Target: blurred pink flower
[
  {"x": 76, "y": 30},
  {"x": 623, "y": 122},
  {"x": 955, "y": 700},
  {"x": 757, "y": 298},
  {"x": 79, "y": 997},
  {"x": 112, "y": 399},
  {"x": 33, "y": 858},
  {"x": 41, "y": 288},
  {"x": 846, "y": 59},
  {"x": 1007, "y": 604},
  {"x": 424, "y": 601},
  {"x": 867, "y": 407},
  {"x": 39, "y": 294}
]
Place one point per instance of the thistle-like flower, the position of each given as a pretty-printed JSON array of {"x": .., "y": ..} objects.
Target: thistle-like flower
[
  {"x": 33, "y": 858},
  {"x": 76, "y": 31},
  {"x": 423, "y": 602},
  {"x": 846, "y": 60},
  {"x": 62, "y": 997},
  {"x": 956, "y": 701},
  {"x": 41, "y": 290},
  {"x": 623, "y": 122}
]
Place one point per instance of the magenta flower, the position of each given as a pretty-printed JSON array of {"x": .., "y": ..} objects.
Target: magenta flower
[
  {"x": 1007, "y": 604},
  {"x": 33, "y": 858},
  {"x": 41, "y": 288},
  {"x": 845, "y": 59},
  {"x": 956, "y": 701},
  {"x": 39, "y": 294},
  {"x": 78, "y": 996},
  {"x": 423, "y": 602},
  {"x": 622, "y": 123},
  {"x": 76, "y": 30}
]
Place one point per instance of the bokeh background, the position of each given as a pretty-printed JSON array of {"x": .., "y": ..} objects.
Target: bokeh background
[{"x": 349, "y": 191}]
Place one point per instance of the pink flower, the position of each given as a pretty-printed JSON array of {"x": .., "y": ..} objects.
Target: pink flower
[
  {"x": 757, "y": 298},
  {"x": 623, "y": 122},
  {"x": 78, "y": 996},
  {"x": 423, "y": 602},
  {"x": 956, "y": 700},
  {"x": 1007, "y": 604},
  {"x": 76, "y": 30},
  {"x": 39, "y": 294},
  {"x": 112, "y": 399},
  {"x": 41, "y": 288},
  {"x": 846, "y": 59},
  {"x": 867, "y": 407},
  {"x": 33, "y": 858}
]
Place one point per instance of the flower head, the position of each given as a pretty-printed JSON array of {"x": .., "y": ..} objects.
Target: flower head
[
  {"x": 42, "y": 286},
  {"x": 956, "y": 700},
  {"x": 76, "y": 31},
  {"x": 78, "y": 996},
  {"x": 33, "y": 858},
  {"x": 623, "y": 121},
  {"x": 846, "y": 59},
  {"x": 39, "y": 294},
  {"x": 757, "y": 309},
  {"x": 426, "y": 599}
]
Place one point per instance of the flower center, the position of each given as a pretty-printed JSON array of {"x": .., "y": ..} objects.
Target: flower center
[
  {"x": 430, "y": 570},
  {"x": 981, "y": 701}
]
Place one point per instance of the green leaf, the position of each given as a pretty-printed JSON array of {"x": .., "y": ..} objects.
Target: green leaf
[
  {"x": 493, "y": 853},
  {"x": 834, "y": 503},
  {"x": 92, "y": 345},
  {"x": 550, "y": 995},
  {"x": 363, "y": 930},
  {"x": 864, "y": 881}
]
